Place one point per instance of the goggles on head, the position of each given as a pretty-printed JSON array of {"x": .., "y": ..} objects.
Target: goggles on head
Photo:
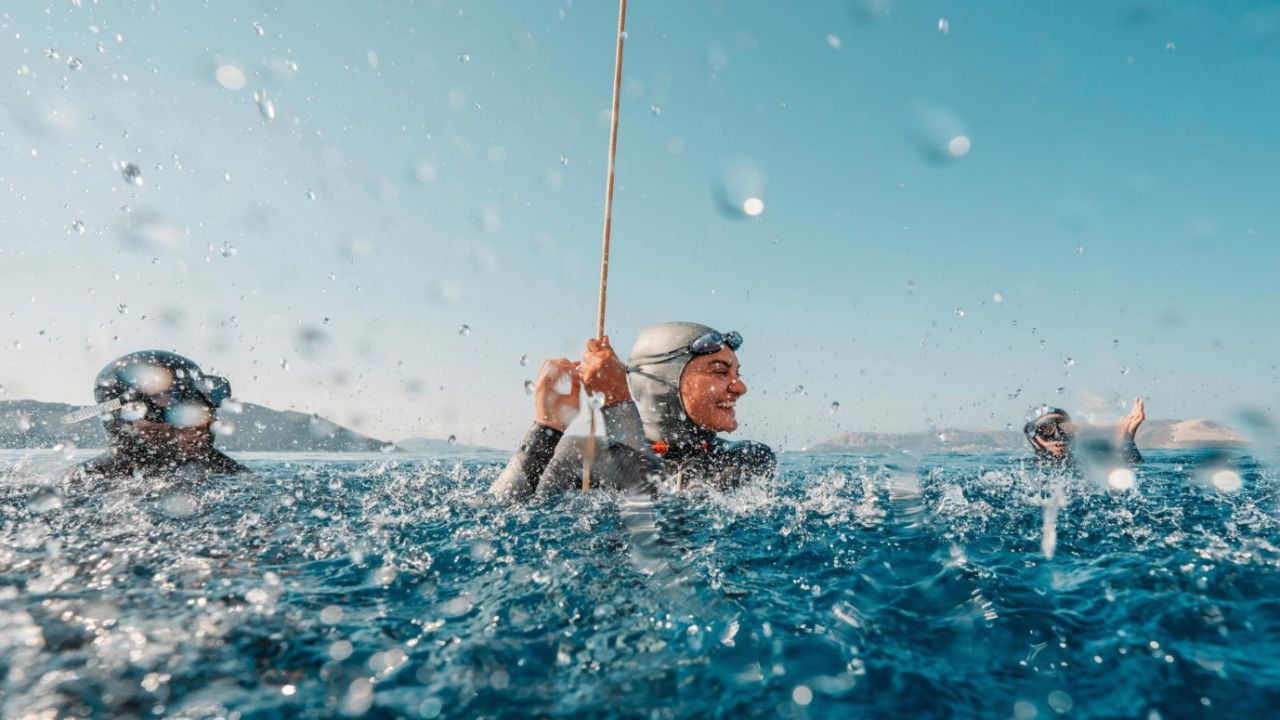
[
  {"x": 185, "y": 390},
  {"x": 705, "y": 344}
]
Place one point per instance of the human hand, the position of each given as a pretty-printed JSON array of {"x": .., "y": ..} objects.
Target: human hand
[
  {"x": 602, "y": 372},
  {"x": 556, "y": 393},
  {"x": 1129, "y": 424}
]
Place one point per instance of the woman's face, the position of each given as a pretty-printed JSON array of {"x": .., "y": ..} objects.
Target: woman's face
[{"x": 709, "y": 389}]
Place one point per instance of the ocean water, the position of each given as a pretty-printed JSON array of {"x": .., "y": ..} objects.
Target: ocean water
[{"x": 945, "y": 586}]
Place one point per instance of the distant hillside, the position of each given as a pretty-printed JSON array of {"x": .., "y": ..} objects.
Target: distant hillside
[
  {"x": 1154, "y": 435},
  {"x": 33, "y": 424}
]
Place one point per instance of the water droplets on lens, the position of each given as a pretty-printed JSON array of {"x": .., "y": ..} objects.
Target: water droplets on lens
[
  {"x": 464, "y": 330},
  {"x": 131, "y": 173},
  {"x": 266, "y": 108}
]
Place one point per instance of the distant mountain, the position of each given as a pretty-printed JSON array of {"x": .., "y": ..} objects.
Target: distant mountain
[
  {"x": 432, "y": 446},
  {"x": 1154, "y": 435},
  {"x": 942, "y": 441},
  {"x": 33, "y": 424}
]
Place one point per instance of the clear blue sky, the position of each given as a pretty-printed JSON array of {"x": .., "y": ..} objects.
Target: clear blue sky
[{"x": 1119, "y": 192}]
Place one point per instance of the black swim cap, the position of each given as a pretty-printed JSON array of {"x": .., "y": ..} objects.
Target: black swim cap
[{"x": 159, "y": 386}]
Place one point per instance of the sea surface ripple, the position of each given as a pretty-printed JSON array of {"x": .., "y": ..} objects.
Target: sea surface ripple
[{"x": 945, "y": 586}]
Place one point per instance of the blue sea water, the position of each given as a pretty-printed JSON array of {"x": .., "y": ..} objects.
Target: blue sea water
[{"x": 947, "y": 586}]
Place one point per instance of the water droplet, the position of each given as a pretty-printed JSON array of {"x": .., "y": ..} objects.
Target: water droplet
[
  {"x": 132, "y": 173},
  {"x": 78, "y": 226},
  {"x": 1061, "y": 390},
  {"x": 222, "y": 428},
  {"x": 291, "y": 64},
  {"x": 752, "y": 206},
  {"x": 564, "y": 160},
  {"x": 464, "y": 330},
  {"x": 453, "y": 439},
  {"x": 1171, "y": 46},
  {"x": 623, "y": 34},
  {"x": 284, "y": 363},
  {"x": 959, "y": 146},
  {"x": 524, "y": 360},
  {"x": 73, "y": 63},
  {"x": 655, "y": 110},
  {"x": 1121, "y": 479},
  {"x": 266, "y": 108},
  {"x": 1226, "y": 480},
  {"x": 228, "y": 250},
  {"x": 596, "y": 400},
  {"x": 257, "y": 27},
  {"x": 230, "y": 77},
  {"x": 799, "y": 391},
  {"x": 311, "y": 194},
  {"x": 944, "y": 26},
  {"x": 226, "y": 176},
  {"x": 43, "y": 500},
  {"x": 959, "y": 312},
  {"x": 999, "y": 298},
  {"x": 835, "y": 407},
  {"x": 122, "y": 309},
  {"x": 1124, "y": 371},
  {"x": 326, "y": 321},
  {"x": 464, "y": 58},
  {"x": 1069, "y": 362},
  {"x": 1079, "y": 249},
  {"x": 51, "y": 54},
  {"x": 528, "y": 387},
  {"x": 833, "y": 41}
]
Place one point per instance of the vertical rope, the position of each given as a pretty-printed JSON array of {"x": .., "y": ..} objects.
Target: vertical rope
[{"x": 589, "y": 455}]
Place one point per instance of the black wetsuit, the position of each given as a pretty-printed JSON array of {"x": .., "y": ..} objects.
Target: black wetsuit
[
  {"x": 120, "y": 463},
  {"x": 1127, "y": 452},
  {"x": 547, "y": 462}
]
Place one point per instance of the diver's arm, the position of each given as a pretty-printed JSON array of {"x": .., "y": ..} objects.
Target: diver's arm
[
  {"x": 622, "y": 425},
  {"x": 554, "y": 409},
  {"x": 1128, "y": 430},
  {"x": 1129, "y": 451},
  {"x": 519, "y": 479}
]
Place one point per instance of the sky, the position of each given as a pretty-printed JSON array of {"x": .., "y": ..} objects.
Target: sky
[{"x": 387, "y": 213}]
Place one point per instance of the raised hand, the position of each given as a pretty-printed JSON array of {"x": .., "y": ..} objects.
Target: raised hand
[
  {"x": 557, "y": 393},
  {"x": 1129, "y": 424},
  {"x": 602, "y": 372}
]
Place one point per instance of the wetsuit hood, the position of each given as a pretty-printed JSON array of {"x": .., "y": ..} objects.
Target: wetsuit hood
[
  {"x": 1035, "y": 418},
  {"x": 656, "y": 385}
]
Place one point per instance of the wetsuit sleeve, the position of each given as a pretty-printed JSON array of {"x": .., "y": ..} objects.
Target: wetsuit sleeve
[
  {"x": 223, "y": 463},
  {"x": 519, "y": 480},
  {"x": 622, "y": 426},
  {"x": 1129, "y": 451}
]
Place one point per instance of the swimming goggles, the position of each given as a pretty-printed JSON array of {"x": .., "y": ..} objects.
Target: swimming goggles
[
  {"x": 705, "y": 344},
  {"x": 208, "y": 390},
  {"x": 1054, "y": 429}
]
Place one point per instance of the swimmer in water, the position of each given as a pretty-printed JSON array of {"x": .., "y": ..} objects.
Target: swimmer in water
[
  {"x": 1050, "y": 432},
  {"x": 157, "y": 408},
  {"x": 687, "y": 387}
]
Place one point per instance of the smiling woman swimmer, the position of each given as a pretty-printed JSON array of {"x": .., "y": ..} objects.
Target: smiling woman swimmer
[
  {"x": 1051, "y": 432},
  {"x": 684, "y": 389}
]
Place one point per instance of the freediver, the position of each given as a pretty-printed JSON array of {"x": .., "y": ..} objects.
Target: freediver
[
  {"x": 1051, "y": 432},
  {"x": 683, "y": 391},
  {"x": 157, "y": 409}
]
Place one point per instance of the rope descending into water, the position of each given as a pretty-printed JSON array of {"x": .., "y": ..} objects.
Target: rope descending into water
[{"x": 588, "y": 457}]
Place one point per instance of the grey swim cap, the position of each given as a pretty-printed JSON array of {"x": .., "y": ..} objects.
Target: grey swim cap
[{"x": 655, "y": 385}]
